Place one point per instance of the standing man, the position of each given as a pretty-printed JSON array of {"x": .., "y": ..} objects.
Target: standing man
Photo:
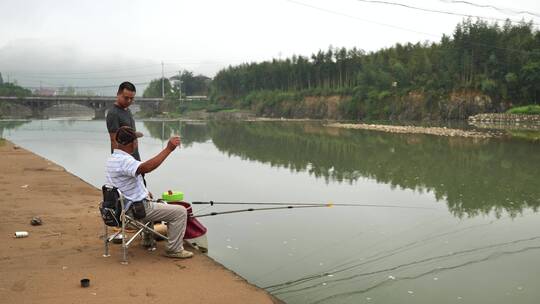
[{"x": 120, "y": 115}]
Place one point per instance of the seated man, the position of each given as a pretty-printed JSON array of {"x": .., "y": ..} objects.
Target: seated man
[{"x": 124, "y": 172}]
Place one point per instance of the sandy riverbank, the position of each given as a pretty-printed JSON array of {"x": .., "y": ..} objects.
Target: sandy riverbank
[
  {"x": 439, "y": 131},
  {"x": 47, "y": 266}
]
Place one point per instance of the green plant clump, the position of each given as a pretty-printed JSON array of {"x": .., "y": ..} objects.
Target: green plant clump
[{"x": 528, "y": 110}]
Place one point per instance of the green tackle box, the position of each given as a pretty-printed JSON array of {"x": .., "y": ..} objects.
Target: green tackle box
[{"x": 172, "y": 196}]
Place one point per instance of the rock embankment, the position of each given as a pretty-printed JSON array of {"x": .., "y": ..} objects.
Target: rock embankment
[
  {"x": 440, "y": 131},
  {"x": 505, "y": 118}
]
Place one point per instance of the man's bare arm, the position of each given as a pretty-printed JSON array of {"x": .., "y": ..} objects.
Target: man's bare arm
[{"x": 154, "y": 162}]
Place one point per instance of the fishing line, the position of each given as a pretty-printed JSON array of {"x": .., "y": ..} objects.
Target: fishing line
[
  {"x": 201, "y": 210},
  {"x": 452, "y": 254},
  {"x": 333, "y": 243},
  {"x": 432, "y": 271},
  {"x": 258, "y": 209},
  {"x": 312, "y": 277},
  {"x": 312, "y": 204},
  {"x": 391, "y": 252},
  {"x": 372, "y": 258}
]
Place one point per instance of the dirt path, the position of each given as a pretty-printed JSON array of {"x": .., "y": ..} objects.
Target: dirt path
[{"x": 47, "y": 266}]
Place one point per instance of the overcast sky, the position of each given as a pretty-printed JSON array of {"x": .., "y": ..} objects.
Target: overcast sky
[{"x": 98, "y": 42}]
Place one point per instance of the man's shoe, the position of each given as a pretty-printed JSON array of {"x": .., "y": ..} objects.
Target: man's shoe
[{"x": 182, "y": 254}]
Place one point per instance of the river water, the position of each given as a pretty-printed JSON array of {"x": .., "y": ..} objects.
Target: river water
[{"x": 456, "y": 220}]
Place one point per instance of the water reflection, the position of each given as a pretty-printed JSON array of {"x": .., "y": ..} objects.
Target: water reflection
[
  {"x": 10, "y": 125},
  {"x": 473, "y": 176},
  {"x": 341, "y": 255},
  {"x": 192, "y": 132}
]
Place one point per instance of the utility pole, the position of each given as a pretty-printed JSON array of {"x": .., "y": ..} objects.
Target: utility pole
[
  {"x": 180, "y": 85},
  {"x": 162, "y": 81}
]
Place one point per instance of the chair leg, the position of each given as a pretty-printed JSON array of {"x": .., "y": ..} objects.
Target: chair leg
[
  {"x": 152, "y": 246},
  {"x": 106, "y": 240},
  {"x": 124, "y": 237}
]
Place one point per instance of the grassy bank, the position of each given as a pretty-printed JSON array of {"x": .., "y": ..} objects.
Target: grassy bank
[{"x": 527, "y": 110}]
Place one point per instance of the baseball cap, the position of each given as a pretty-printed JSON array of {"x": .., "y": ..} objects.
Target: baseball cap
[{"x": 125, "y": 135}]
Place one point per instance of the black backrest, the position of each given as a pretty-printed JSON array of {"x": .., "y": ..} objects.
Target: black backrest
[
  {"x": 111, "y": 208},
  {"x": 110, "y": 194}
]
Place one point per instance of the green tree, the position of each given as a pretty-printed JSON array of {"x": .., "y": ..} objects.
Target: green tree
[
  {"x": 153, "y": 90},
  {"x": 502, "y": 61},
  {"x": 12, "y": 89},
  {"x": 191, "y": 84},
  {"x": 531, "y": 80}
]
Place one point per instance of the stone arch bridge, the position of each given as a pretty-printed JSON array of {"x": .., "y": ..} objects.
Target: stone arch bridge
[{"x": 38, "y": 105}]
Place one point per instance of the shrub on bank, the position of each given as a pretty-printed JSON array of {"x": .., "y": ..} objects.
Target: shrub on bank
[{"x": 528, "y": 110}]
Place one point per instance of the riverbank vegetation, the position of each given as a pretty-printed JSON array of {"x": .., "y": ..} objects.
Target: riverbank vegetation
[
  {"x": 529, "y": 110},
  {"x": 12, "y": 89},
  {"x": 185, "y": 84},
  {"x": 482, "y": 67},
  {"x": 175, "y": 91}
]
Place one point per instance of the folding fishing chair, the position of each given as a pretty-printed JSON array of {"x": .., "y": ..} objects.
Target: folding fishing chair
[{"x": 115, "y": 212}]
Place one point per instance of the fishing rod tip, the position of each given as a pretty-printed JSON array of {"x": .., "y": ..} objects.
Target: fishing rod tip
[{"x": 330, "y": 205}]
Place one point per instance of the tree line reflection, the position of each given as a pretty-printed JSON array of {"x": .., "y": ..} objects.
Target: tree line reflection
[{"x": 473, "y": 176}]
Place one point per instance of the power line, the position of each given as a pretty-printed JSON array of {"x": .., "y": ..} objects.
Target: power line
[
  {"x": 156, "y": 65},
  {"x": 361, "y": 19},
  {"x": 406, "y": 29},
  {"x": 88, "y": 87},
  {"x": 89, "y": 72},
  {"x": 502, "y": 10},
  {"x": 438, "y": 11},
  {"x": 35, "y": 76}
]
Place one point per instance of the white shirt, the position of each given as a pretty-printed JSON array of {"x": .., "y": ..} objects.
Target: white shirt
[{"x": 122, "y": 173}]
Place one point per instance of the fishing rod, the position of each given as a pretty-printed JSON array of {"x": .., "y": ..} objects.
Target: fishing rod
[
  {"x": 262, "y": 209},
  {"x": 212, "y": 203}
]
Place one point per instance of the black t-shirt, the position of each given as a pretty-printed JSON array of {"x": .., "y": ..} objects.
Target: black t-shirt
[{"x": 118, "y": 117}]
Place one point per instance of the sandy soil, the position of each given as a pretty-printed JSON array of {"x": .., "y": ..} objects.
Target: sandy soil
[{"x": 47, "y": 266}]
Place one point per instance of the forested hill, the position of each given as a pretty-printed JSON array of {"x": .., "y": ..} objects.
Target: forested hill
[{"x": 482, "y": 67}]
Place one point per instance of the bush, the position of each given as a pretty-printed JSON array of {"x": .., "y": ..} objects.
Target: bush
[
  {"x": 488, "y": 87},
  {"x": 212, "y": 108},
  {"x": 528, "y": 110}
]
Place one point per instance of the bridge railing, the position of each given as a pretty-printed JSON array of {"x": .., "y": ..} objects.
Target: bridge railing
[{"x": 72, "y": 99}]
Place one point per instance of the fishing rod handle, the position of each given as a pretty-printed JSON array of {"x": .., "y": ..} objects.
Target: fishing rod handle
[{"x": 211, "y": 203}]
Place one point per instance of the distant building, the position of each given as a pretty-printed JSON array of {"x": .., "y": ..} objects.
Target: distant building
[
  {"x": 45, "y": 92},
  {"x": 196, "y": 98}
]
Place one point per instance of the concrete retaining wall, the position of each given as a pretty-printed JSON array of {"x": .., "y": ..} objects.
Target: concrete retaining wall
[{"x": 504, "y": 118}]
